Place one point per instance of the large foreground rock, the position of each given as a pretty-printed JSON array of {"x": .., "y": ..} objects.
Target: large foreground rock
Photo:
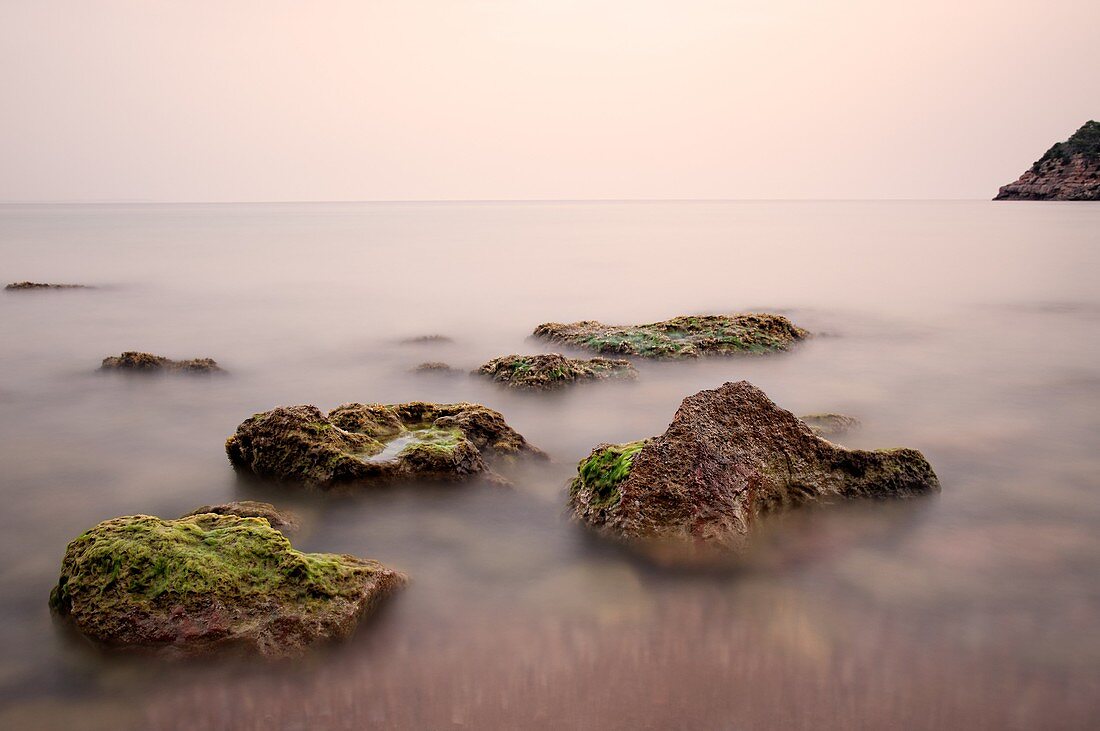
[
  {"x": 1068, "y": 171},
  {"x": 208, "y": 582},
  {"x": 136, "y": 362},
  {"x": 374, "y": 443},
  {"x": 552, "y": 370},
  {"x": 730, "y": 456},
  {"x": 681, "y": 337}
]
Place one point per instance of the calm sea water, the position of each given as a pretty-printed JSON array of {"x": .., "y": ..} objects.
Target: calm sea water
[{"x": 969, "y": 330}]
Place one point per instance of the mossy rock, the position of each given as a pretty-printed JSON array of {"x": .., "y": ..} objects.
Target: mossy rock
[
  {"x": 729, "y": 457},
  {"x": 375, "y": 443},
  {"x": 552, "y": 370},
  {"x": 681, "y": 337},
  {"x": 135, "y": 362},
  {"x": 208, "y": 582}
]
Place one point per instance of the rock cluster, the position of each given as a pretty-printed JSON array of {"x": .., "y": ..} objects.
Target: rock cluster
[
  {"x": 208, "y": 582},
  {"x": 1069, "y": 171},
  {"x": 374, "y": 443},
  {"x": 280, "y": 520},
  {"x": 681, "y": 337},
  {"x": 553, "y": 370},
  {"x": 830, "y": 425},
  {"x": 730, "y": 456}
]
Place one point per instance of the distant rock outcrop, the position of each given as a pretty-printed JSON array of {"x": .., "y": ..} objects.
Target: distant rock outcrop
[
  {"x": 681, "y": 337},
  {"x": 23, "y": 286},
  {"x": 133, "y": 361},
  {"x": 1069, "y": 171}
]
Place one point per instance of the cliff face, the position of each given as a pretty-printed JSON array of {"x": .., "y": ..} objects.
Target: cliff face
[{"x": 1069, "y": 171}]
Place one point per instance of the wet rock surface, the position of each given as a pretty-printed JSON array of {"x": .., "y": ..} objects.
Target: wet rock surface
[
  {"x": 25, "y": 286},
  {"x": 681, "y": 337},
  {"x": 281, "y": 520},
  {"x": 1068, "y": 171},
  {"x": 210, "y": 582},
  {"x": 553, "y": 370},
  {"x": 134, "y": 361},
  {"x": 375, "y": 443},
  {"x": 729, "y": 457},
  {"x": 829, "y": 425}
]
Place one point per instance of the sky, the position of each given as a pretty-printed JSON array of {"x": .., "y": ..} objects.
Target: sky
[{"x": 276, "y": 100}]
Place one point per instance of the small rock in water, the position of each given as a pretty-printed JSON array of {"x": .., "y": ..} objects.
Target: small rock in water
[
  {"x": 148, "y": 363},
  {"x": 681, "y": 337},
  {"x": 209, "y": 582},
  {"x": 830, "y": 425},
  {"x": 281, "y": 521},
  {"x": 729, "y": 456},
  {"x": 16, "y": 286},
  {"x": 434, "y": 366},
  {"x": 375, "y": 443},
  {"x": 553, "y": 370}
]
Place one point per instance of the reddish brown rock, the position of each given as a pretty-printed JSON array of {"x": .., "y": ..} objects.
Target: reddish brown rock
[
  {"x": 1069, "y": 171},
  {"x": 729, "y": 457}
]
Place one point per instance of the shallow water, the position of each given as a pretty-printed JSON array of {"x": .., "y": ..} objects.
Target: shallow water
[{"x": 968, "y": 330}]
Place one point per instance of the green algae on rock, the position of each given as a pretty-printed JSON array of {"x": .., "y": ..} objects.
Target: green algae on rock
[
  {"x": 681, "y": 337},
  {"x": 729, "y": 457},
  {"x": 830, "y": 425},
  {"x": 553, "y": 370},
  {"x": 280, "y": 520},
  {"x": 207, "y": 582},
  {"x": 134, "y": 361},
  {"x": 375, "y": 443}
]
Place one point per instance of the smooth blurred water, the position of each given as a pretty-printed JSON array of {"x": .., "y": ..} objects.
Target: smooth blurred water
[{"x": 969, "y": 330}]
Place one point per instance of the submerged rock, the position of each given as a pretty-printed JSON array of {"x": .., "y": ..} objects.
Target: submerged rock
[
  {"x": 427, "y": 340},
  {"x": 730, "y": 456},
  {"x": 830, "y": 425},
  {"x": 148, "y": 363},
  {"x": 206, "y": 582},
  {"x": 681, "y": 337},
  {"x": 15, "y": 286},
  {"x": 281, "y": 521},
  {"x": 1068, "y": 171},
  {"x": 553, "y": 370},
  {"x": 374, "y": 443},
  {"x": 434, "y": 366}
]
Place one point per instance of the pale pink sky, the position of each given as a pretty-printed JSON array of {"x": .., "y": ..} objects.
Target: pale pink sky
[{"x": 548, "y": 99}]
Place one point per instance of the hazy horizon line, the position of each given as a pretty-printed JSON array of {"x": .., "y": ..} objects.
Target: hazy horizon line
[{"x": 151, "y": 202}]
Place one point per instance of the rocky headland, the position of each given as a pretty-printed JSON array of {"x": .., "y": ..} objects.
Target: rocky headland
[{"x": 1069, "y": 171}]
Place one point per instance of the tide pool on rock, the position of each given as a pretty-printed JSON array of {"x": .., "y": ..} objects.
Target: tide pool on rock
[
  {"x": 729, "y": 457},
  {"x": 552, "y": 370},
  {"x": 681, "y": 337},
  {"x": 208, "y": 582},
  {"x": 375, "y": 443}
]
